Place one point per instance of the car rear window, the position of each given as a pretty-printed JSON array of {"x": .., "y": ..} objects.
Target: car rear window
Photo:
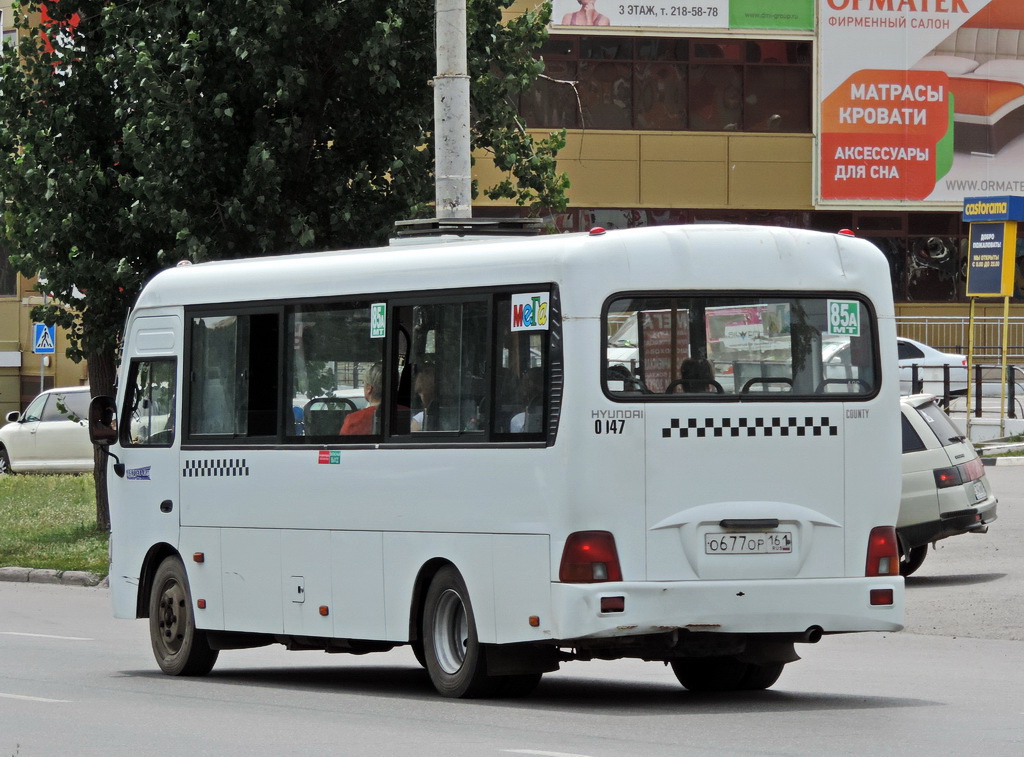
[{"x": 940, "y": 424}]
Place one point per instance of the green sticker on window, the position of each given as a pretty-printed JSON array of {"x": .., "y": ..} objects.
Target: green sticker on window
[
  {"x": 378, "y": 320},
  {"x": 844, "y": 317}
]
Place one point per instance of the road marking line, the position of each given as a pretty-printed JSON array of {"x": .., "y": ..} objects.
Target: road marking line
[
  {"x": 45, "y": 636},
  {"x": 33, "y": 699},
  {"x": 543, "y": 754}
]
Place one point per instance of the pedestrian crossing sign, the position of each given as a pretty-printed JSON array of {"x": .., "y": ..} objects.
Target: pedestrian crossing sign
[{"x": 43, "y": 339}]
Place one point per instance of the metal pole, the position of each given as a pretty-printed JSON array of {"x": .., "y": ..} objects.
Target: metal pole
[
  {"x": 1002, "y": 389},
  {"x": 452, "y": 163},
  {"x": 970, "y": 367}
]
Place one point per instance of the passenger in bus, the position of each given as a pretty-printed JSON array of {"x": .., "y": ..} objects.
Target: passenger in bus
[
  {"x": 425, "y": 386},
  {"x": 696, "y": 375},
  {"x": 365, "y": 421},
  {"x": 531, "y": 390}
]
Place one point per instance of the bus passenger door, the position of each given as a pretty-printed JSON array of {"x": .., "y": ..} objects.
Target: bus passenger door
[{"x": 144, "y": 501}]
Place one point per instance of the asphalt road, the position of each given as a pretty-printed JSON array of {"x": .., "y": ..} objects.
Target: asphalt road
[{"x": 74, "y": 681}]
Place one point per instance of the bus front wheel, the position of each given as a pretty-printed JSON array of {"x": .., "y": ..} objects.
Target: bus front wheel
[
  {"x": 180, "y": 648},
  {"x": 454, "y": 658}
]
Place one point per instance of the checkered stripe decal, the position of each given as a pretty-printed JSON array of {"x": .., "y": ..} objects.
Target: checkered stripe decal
[
  {"x": 791, "y": 426},
  {"x": 202, "y": 468}
]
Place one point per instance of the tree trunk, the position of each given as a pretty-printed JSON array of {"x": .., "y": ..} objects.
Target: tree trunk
[{"x": 102, "y": 372}]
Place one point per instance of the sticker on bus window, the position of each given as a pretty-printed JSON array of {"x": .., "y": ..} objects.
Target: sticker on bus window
[
  {"x": 530, "y": 311},
  {"x": 378, "y": 320},
  {"x": 844, "y": 317}
]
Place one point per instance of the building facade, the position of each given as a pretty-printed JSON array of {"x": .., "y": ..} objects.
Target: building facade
[{"x": 877, "y": 116}]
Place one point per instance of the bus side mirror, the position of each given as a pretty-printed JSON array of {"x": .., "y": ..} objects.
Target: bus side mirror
[{"x": 103, "y": 421}]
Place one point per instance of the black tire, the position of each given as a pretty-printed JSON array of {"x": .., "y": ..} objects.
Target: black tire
[
  {"x": 710, "y": 673},
  {"x": 912, "y": 560},
  {"x": 454, "y": 658},
  {"x": 180, "y": 648},
  {"x": 417, "y": 652},
  {"x": 760, "y": 677},
  {"x": 725, "y": 674},
  {"x": 5, "y": 462}
]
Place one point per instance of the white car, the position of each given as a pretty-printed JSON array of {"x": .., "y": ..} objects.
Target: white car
[
  {"x": 50, "y": 436},
  {"x": 945, "y": 489},
  {"x": 929, "y": 362}
]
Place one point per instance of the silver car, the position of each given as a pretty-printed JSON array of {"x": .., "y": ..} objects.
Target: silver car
[
  {"x": 50, "y": 435},
  {"x": 945, "y": 489}
]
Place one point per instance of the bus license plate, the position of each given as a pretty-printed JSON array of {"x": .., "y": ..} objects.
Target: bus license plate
[{"x": 777, "y": 542}]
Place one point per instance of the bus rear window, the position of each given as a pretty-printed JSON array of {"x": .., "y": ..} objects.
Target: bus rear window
[{"x": 697, "y": 346}]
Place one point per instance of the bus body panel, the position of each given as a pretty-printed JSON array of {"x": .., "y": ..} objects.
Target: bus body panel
[
  {"x": 289, "y": 528},
  {"x": 144, "y": 503},
  {"x": 739, "y": 607}
]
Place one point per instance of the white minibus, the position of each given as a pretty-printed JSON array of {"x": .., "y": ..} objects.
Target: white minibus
[{"x": 677, "y": 444}]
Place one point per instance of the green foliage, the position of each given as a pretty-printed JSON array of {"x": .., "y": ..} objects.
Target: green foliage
[{"x": 157, "y": 132}]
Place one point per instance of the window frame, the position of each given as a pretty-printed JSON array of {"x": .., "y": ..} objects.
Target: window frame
[{"x": 284, "y": 309}]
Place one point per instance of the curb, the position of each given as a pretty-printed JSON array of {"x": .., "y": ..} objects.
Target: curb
[
  {"x": 47, "y": 576},
  {"x": 1003, "y": 460}
]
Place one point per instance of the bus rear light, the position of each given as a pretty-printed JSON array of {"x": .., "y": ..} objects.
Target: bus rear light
[
  {"x": 883, "y": 552},
  {"x": 589, "y": 557},
  {"x": 881, "y": 596}
]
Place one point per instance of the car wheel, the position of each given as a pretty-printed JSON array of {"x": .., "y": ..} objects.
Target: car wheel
[
  {"x": 5, "y": 462},
  {"x": 180, "y": 648},
  {"x": 912, "y": 560}
]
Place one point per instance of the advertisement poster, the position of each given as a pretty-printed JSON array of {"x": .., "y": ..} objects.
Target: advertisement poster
[
  {"x": 989, "y": 266},
  {"x": 921, "y": 100},
  {"x": 696, "y": 14},
  {"x": 666, "y": 343}
]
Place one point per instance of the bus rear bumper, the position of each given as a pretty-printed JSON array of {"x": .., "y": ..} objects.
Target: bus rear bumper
[{"x": 841, "y": 605}]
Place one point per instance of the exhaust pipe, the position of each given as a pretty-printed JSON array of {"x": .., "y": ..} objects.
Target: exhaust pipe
[{"x": 812, "y": 635}]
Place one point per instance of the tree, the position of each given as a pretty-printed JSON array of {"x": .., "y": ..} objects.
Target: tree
[{"x": 137, "y": 135}]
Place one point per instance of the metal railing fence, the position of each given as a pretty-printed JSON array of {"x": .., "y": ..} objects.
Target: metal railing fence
[{"x": 950, "y": 335}]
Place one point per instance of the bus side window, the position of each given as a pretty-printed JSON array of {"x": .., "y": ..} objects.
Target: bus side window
[
  {"x": 448, "y": 360},
  {"x": 334, "y": 373},
  {"x": 522, "y": 384},
  {"x": 151, "y": 403}
]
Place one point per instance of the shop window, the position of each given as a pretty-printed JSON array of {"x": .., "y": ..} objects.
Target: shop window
[
  {"x": 606, "y": 95},
  {"x": 775, "y": 99},
  {"x": 672, "y": 84}
]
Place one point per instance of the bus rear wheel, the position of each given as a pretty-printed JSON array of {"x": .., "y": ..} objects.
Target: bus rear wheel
[
  {"x": 180, "y": 648},
  {"x": 454, "y": 657},
  {"x": 725, "y": 674},
  {"x": 912, "y": 559}
]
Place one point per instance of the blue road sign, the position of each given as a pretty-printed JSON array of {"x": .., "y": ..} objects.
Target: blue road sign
[{"x": 44, "y": 339}]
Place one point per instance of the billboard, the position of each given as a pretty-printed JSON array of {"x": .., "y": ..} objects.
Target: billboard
[
  {"x": 921, "y": 100},
  {"x": 686, "y": 14}
]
